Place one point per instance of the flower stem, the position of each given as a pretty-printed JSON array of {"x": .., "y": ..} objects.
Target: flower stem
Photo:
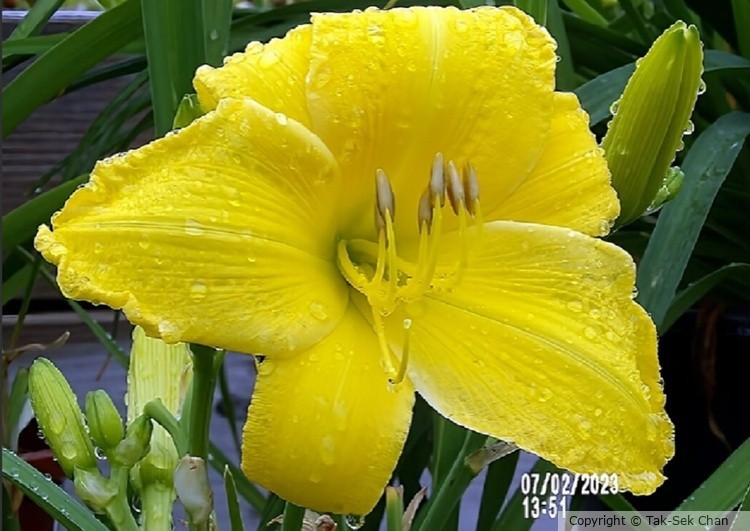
[
  {"x": 201, "y": 398},
  {"x": 294, "y": 516},
  {"x": 206, "y": 362},
  {"x": 118, "y": 509},
  {"x": 158, "y": 412}
]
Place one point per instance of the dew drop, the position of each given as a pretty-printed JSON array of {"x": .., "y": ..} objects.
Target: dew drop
[
  {"x": 214, "y": 35},
  {"x": 614, "y": 107},
  {"x": 198, "y": 291},
  {"x": 315, "y": 477},
  {"x": 98, "y": 248},
  {"x": 589, "y": 332},
  {"x": 407, "y": 324},
  {"x": 281, "y": 118},
  {"x": 99, "y": 454},
  {"x": 318, "y": 311},
  {"x": 193, "y": 228},
  {"x": 690, "y": 128},
  {"x": 702, "y": 87},
  {"x": 328, "y": 450},
  {"x": 575, "y": 306},
  {"x": 354, "y": 521},
  {"x": 545, "y": 394},
  {"x": 143, "y": 244},
  {"x": 598, "y": 412},
  {"x": 268, "y": 59}
]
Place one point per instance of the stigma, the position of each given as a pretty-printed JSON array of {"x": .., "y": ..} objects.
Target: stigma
[{"x": 389, "y": 280}]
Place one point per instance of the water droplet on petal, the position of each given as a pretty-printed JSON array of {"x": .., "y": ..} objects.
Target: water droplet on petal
[
  {"x": 98, "y": 248},
  {"x": 328, "y": 450},
  {"x": 193, "y": 228},
  {"x": 614, "y": 107},
  {"x": 198, "y": 291},
  {"x": 702, "y": 87},
  {"x": 575, "y": 306},
  {"x": 545, "y": 394},
  {"x": 268, "y": 59},
  {"x": 318, "y": 311},
  {"x": 281, "y": 118}
]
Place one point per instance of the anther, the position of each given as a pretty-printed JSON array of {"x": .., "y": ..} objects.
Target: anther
[
  {"x": 424, "y": 216},
  {"x": 437, "y": 178},
  {"x": 385, "y": 201},
  {"x": 455, "y": 188},
  {"x": 471, "y": 188}
]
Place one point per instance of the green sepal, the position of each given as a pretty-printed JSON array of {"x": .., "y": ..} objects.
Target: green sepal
[
  {"x": 651, "y": 117},
  {"x": 59, "y": 417},
  {"x": 105, "y": 423}
]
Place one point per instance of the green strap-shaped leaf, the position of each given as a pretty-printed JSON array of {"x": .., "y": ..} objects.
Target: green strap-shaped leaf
[
  {"x": 513, "y": 516},
  {"x": 49, "y": 75},
  {"x": 691, "y": 294},
  {"x": 35, "y": 19},
  {"x": 233, "y": 503},
  {"x": 672, "y": 242},
  {"x": 726, "y": 487},
  {"x": 496, "y": 485},
  {"x": 55, "y": 501}
]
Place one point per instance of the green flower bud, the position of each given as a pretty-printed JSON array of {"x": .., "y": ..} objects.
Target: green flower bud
[
  {"x": 652, "y": 116},
  {"x": 136, "y": 443},
  {"x": 59, "y": 417},
  {"x": 105, "y": 423},
  {"x": 193, "y": 489},
  {"x": 97, "y": 491}
]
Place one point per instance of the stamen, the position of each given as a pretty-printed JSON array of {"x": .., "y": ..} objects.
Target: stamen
[
  {"x": 351, "y": 272},
  {"x": 471, "y": 187},
  {"x": 455, "y": 188},
  {"x": 404, "y": 355},
  {"x": 392, "y": 261},
  {"x": 437, "y": 178},
  {"x": 424, "y": 215},
  {"x": 385, "y": 201}
]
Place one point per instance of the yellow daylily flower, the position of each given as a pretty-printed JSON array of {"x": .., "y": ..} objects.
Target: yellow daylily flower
[{"x": 269, "y": 226}]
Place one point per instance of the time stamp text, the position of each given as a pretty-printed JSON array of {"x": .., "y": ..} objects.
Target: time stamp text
[{"x": 548, "y": 493}]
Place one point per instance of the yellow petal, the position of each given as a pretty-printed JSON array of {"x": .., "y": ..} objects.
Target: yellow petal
[
  {"x": 324, "y": 428},
  {"x": 382, "y": 93},
  {"x": 272, "y": 74},
  {"x": 541, "y": 344},
  {"x": 220, "y": 234},
  {"x": 570, "y": 184}
]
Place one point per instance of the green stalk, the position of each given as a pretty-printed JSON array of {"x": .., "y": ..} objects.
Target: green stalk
[
  {"x": 201, "y": 399},
  {"x": 294, "y": 516},
  {"x": 157, "y": 411},
  {"x": 205, "y": 370},
  {"x": 118, "y": 510}
]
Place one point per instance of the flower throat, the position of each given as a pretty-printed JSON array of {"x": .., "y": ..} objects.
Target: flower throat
[{"x": 387, "y": 279}]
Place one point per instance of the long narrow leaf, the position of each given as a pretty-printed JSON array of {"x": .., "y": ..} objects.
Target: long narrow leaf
[
  {"x": 219, "y": 461},
  {"x": 726, "y": 487},
  {"x": 669, "y": 249},
  {"x": 62, "y": 64},
  {"x": 691, "y": 294},
  {"x": 55, "y": 501},
  {"x": 35, "y": 19},
  {"x": 235, "y": 515},
  {"x": 174, "y": 34},
  {"x": 496, "y": 485}
]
